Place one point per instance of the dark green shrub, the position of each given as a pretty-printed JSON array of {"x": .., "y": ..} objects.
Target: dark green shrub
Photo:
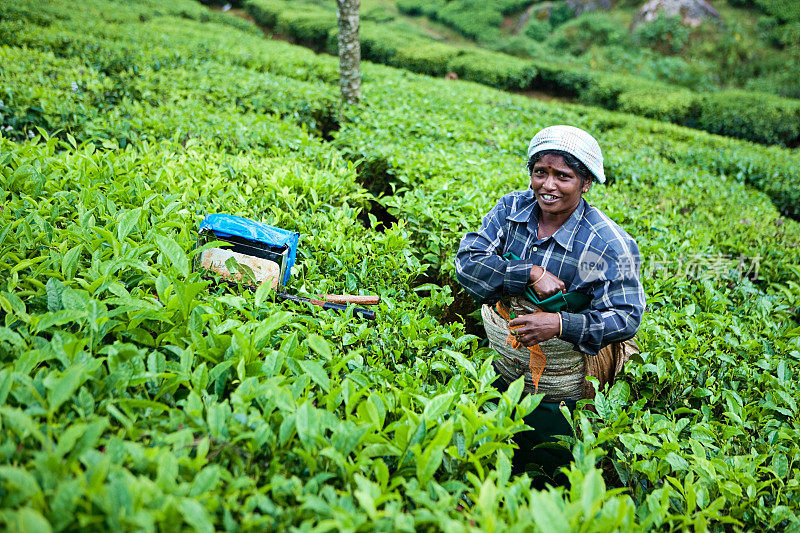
[
  {"x": 431, "y": 9},
  {"x": 377, "y": 14},
  {"x": 481, "y": 23},
  {"x": 376, "y": 45},
  {"x": 782, "y": 82},
  {"x": 307, "y": 25},
  {"x": 517, "y": 45},
  {"x": 786, "y": 36},
  {"x": 265, "y": 12},
  {"x": 307, "y": 28},
  {"x": 604, "y": 90},
  {"x": 676, "y": 70},
  {"x": 420, "y": 7},
  {"x": 538, "y": 30},
  {"x": 424, "y": 57},
  {"x": 590, "y": 29},
  {"x": 507, "y": 7},
  {"x": 411, "y": 7},
  {"x": 666, "y": 104},
  {"x": 557, "y": 79},
  {"x": 666, "y": 35},
  {"x": 493, "y": 69},
  {"x": 560, "y": 12},
  {"x": 784, "y": 10},
  {"x": 404, "y": 51},
  {"x": 758, "y": 117}
]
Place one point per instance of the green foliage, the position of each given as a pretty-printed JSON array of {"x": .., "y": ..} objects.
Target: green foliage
[
  {"x": 493, "y": 69},
  {"x": 590, "y": 29},
  {"x": 744, "y": 49},
  {"x": 783, "y": 82},
  {"x": 518, "y": 46},
  {"x": 665, "y": 34},
  {"x": 784, "y": 10},
  {"x": 315, "y": 27},
  {"x": 537, "y": 29},
  {"x": 560, "y": 12},
  {"x": 377, "y": 14},
  {"x": 309, "y": 29},
  {"x": 668, "y": 106},
  {"x": 762, "y": 117},
  {"x": 420, "y": 7},
  {"x": 404, "y": 51},
  {"x": 475, "y": 20},
  {"x": 411, "y": 7},
  {"x": 135, "y": 394},
  {"x": 786, "y": 35}
]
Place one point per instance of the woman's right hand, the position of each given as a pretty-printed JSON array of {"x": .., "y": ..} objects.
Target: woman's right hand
[{"x": 546, "y": 285}]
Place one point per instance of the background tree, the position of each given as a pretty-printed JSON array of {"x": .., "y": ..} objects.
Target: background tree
[{"x": 349, "y": 51}]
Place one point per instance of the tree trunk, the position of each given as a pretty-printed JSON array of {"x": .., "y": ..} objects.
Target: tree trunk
[{"x": 349, "y": 51}]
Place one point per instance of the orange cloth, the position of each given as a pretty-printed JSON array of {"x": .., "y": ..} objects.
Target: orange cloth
[{"x": 538, "y": 361}]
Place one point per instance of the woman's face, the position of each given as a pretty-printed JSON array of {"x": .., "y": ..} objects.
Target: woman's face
[{"x": 557, "y": 187}]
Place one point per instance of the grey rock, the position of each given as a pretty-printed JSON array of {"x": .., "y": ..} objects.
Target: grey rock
[
  {"x": 582, "y": 6},
  {"x": 691, "y": 12}
]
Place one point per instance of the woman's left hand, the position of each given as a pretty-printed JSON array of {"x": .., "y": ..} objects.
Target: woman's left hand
[{"x": 533, "y": 328}]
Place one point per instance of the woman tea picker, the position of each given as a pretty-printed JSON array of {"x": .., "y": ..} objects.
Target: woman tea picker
[{"x": 559, "y": 281}]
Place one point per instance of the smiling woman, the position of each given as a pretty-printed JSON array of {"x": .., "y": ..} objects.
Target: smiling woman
[{"x": 559, "y": 281}]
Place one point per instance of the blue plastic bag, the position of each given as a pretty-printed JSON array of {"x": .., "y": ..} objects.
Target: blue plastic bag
[{"x": 258, "y": 232}]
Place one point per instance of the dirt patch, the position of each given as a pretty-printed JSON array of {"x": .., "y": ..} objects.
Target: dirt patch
[
  {"x": 543, "y": 96},
  {"x": 235, "y": 11}
]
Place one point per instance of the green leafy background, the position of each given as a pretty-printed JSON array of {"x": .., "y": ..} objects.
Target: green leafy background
[{"x": 136, "y": 395}]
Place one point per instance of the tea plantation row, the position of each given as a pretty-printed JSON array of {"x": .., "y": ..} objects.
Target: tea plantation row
[
  {"x": 136, "y": 395},
  {"x": 752, "y": 45},
  {"x": 759, "y": 117}
]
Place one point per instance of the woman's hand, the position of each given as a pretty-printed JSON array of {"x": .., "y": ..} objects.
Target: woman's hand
[
  {"x": 546, "y": 283},
  {"x": 535, "y": 327}
]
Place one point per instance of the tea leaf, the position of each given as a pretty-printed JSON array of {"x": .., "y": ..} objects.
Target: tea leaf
[
  {"x": 317, "y": 373},
  {"x": 174, "y": 253},
  {"x": 320, "y": 346}
]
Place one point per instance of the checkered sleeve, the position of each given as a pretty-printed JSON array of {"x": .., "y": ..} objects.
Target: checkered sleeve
[
  {"x": 618, "y": 302},
  {"x": 480, "y": 267}
]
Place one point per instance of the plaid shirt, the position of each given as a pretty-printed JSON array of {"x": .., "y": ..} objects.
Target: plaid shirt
[{"x": 590, "y": 253}]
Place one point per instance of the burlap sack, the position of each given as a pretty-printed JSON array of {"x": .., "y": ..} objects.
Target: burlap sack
[{"x": 566, "y": 370}]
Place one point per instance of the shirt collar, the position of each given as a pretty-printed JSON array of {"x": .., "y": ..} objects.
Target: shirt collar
[{"x": 527, "y": 210}]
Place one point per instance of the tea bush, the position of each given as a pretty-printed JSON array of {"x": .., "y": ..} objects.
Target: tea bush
[
  {"x": 480, "y": 20},
  {"x": 733, "y": 112},
  {"x": 135, "y": 394},
  {"x": 537, "y": 29},
  {"x": 490, "y": 69},
  {"x": 315, "y": 26},
  {"x": 592, "y": 29},
  {"x": 664, "y": 34}
]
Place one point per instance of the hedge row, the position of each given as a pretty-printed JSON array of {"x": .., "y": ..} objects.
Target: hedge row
[
  {"x": 476, "y": 19},
  {"x": 135, "y": 396},
  {"x": 784, "y": 10},
  {"x": 758, "y": 117}
]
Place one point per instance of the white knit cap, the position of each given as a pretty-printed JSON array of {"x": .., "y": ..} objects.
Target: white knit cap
[{"x": 574, "y": 141}]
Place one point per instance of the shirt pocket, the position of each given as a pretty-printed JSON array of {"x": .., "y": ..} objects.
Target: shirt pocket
[{"x": 518, "y": 238}]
